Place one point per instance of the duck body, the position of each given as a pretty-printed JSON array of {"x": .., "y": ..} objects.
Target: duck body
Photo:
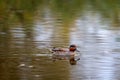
[{"x": 65, "y": 54}]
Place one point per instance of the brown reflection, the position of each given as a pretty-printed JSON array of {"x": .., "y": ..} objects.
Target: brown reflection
[
  {"x": 18, "y": 43},
  {"x": 116, "y": 19},
  {"x": 5, "y": 40},
  {"x": 8, "y": 68},
  {"x": 61, "y": 36},
  {"x": 31, "y": 67}
]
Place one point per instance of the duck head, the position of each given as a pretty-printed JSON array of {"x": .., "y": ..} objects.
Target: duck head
[{"x": 72, "y": 48}]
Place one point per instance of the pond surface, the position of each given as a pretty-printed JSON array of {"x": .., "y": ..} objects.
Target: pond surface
[{"x": 28, "y": 32}]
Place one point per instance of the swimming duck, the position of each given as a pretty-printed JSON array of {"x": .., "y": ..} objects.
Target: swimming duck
[{"x": 72, "y": 48}]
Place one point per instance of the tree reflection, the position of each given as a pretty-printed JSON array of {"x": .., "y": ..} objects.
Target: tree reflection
[
  {"x": 64, "y": 12},
  {"x": 108, "y": 9},
  {"x": 18, "y": 18},
  {"x": 16, "y": 12}
]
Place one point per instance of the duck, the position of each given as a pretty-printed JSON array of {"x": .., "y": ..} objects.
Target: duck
[
  {"x": 72, "y": 48},
  {"x": 61, "y": 51}
]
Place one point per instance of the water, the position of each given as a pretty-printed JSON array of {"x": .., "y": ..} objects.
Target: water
[{"x": 28, "y": 32}]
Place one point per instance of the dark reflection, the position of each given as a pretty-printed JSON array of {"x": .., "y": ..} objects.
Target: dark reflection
[
  {"x": 108, "y": 10},
  {"x": 30, "y": 28},
  {"x": 25, "y": 67}
]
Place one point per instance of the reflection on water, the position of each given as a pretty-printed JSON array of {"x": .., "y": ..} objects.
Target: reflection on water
[
  {"x": 27, "y": 32},
  {"x": 32, "y": 68}
]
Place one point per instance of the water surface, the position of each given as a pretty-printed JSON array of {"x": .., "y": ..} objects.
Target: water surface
[{"x": 28, "y": 32}]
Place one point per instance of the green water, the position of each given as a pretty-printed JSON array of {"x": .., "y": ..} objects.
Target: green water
[{"x": 29, "y": 28}]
